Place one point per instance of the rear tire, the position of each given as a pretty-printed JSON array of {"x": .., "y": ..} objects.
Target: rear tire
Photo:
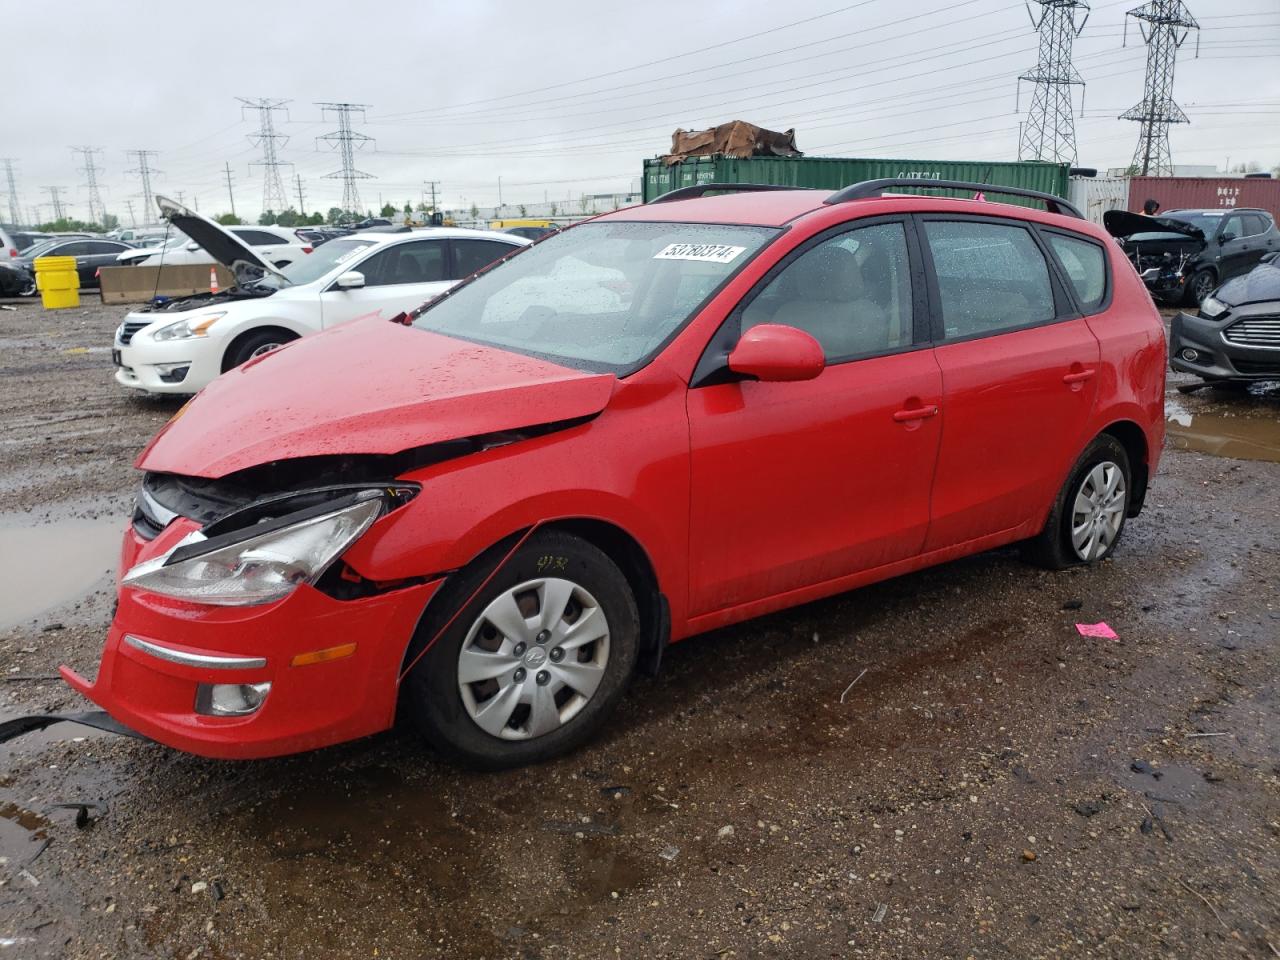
[
  {"x": 1089, "y": 513},
  {"x": 253, "y": 345},
  {"x": 497, "y": 690}
]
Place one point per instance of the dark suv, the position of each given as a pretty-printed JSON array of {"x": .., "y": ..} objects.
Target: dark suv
[{"x": 1183, "y": 255}]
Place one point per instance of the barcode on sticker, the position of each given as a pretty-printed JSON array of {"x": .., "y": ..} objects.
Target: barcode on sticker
[{"x": 708, "y": 252}]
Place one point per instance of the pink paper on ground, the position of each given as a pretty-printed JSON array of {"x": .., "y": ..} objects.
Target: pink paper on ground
[{"x": 1100, "y": 630}]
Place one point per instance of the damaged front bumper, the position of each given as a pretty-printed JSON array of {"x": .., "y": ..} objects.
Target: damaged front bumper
[
  {"x": 162, "y": 657},
  {"x": 1165, "y": 284}
]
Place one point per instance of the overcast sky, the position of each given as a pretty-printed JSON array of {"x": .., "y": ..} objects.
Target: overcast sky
[{"x": 564, "y": 96}]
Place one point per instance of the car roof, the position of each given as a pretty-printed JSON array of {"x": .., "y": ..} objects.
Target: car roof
[
  {"x": 443, "y": 233},
  {"x": 1212, "y": 211},
  {"x": 777, "y": 208}
]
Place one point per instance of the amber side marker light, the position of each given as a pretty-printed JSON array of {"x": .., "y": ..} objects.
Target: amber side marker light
[{"x": 323, "y": 656}]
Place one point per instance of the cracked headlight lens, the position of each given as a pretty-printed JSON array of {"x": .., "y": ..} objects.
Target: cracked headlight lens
[
  {"x": 189, "y": 328},
  {"x": 253, "y": 566}
]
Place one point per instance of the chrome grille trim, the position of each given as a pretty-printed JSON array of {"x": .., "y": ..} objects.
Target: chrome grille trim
[
  {"x": 1261, "y": 332},
  {"x": 127, "y": 329}
]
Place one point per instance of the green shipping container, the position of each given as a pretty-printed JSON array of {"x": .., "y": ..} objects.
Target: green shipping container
[{"x": 832, "y": 173}]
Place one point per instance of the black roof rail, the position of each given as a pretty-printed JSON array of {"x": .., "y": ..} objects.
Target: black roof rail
[
  {"x": 702, "y": 189},
  {"x": 874, "y": 188}
]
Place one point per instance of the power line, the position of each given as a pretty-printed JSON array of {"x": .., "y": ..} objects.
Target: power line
[
  {"x": 1049, "y": 132},
  {"x": 346, "y": 141},
  {"x": 97, "y": 209},
  {"x": 273, "y": 195},
  {"x": 144, "y": 172},
  {"x": 15, "y": 214},
  {"x": 1165, "y": 25}
]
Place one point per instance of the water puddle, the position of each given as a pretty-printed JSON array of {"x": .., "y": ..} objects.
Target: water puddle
[
  {"x": 44, "y": 566},
  {"x": 1235, "y": 437}
]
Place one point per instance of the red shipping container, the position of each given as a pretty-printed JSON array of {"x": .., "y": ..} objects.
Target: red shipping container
[{"x": 1192, "y": 193}]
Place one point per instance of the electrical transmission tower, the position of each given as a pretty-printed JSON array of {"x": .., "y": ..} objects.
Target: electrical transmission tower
[
  {"x": 346, "y": 141},
  {"x": 145, "y": 172},
  {"x": 1165, "y": 25},
  {"x": 273, "y": 195},
  {"x": 97, "y": 209},
  {"x": 15, "y": 214},
  {"x": 1049, "y": 132},
  {"x": 55, "y": 200},
  {"x": 297, "y": 177}
]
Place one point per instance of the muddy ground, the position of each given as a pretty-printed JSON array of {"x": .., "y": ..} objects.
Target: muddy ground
[{"x": 993, "y": 785}]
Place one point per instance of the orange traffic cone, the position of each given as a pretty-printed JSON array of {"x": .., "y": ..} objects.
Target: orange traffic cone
[{"x": 213, "y": 279}]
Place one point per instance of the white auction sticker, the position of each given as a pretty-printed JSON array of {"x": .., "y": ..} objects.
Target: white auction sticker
[{"x": 709, "y": 252}]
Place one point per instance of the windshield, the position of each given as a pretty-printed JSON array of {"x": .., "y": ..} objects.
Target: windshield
[
  {"x": 1205, "y": 223},
  {"x": 320, "y": 261},
  {"x": 601, "y": 296},
  {"x": 40, "y": 248}
]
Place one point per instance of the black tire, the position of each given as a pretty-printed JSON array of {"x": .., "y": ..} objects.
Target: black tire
[
  {"x": 249, "y": 345},
  {"x": 1053, "y": 547},
  {"x": 434, "y": 696},
  {"x": 1201, "y": 284}
]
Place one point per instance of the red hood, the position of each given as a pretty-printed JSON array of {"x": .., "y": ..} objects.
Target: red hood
[{"x": 366, "y": 387}]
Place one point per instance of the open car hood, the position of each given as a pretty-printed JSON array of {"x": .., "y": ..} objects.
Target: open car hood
[
  {"x": 366, "y": 387},
  {"x": 1123, "y": 224},
  {"x": 220, "y": 243}
]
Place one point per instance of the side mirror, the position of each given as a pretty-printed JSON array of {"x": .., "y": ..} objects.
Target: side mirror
[
  {"x": 1226, "y": 238},
  {"x": 193, "y": 246},
  {"x": 351, "y": 280},
  {"x": 1271, "y": 258},
  {"x": 774, "y": 353}
]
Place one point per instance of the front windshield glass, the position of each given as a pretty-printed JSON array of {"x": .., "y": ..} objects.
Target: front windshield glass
[
  {"x": 41, "y": 248},
  {"x": 318, "y": 262},
  {"x": 1205, "y": 223},
  {"x": 600, "y": 296}
]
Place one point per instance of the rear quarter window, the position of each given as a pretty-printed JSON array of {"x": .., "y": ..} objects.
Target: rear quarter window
[{"x": 1085, "y": 264}]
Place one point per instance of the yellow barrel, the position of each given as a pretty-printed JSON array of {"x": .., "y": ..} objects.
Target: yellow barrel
[{"x": 58, "y": 282}]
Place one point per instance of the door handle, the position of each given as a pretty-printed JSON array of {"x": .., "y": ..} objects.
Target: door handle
[
  {"x": 1079, "y": 377},
  {"x": 916, "y": 413}
]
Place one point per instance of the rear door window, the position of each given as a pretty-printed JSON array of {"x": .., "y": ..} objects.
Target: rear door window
[
  {"x": 991, "y": 277},
  {"x": 472, "y": 255},
  {"x": 1254, "y": 224},
  {"x": 1085, "y": 264}
]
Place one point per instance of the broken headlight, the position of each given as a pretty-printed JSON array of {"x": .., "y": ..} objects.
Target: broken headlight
[
  {"x": 188, "y": 329},
  {"x": 261, "y": 562}
]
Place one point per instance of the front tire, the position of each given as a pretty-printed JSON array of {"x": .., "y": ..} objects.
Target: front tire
[
  {"x": 254, "y": 344},
  {"x": 1202, "y": 283},
  {"x": 534, "y": 664},
  {"x": 1089, "y": 513}
]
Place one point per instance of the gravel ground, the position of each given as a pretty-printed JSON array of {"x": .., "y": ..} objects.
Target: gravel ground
[{"x": 992, "y": 785}]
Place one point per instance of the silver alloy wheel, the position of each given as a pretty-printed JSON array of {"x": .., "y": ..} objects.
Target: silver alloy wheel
[
  {"x": 265, "y": 348},
  {"x": 1204, "y": 285},
  {"x": 533, "y": 658},
  {"x": 1098, "y": 511}
]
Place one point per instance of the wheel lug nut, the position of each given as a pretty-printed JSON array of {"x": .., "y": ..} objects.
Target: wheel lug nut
[
  {"x": 557, "y": 654},
  {"x": 519, "y": 675},
  {"x": 543, "y": 677},
  {"x": 543, "y": 636},
  {"x": 519, "y": 650}
]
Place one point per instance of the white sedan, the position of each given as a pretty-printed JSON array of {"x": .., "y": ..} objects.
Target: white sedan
[
  {"x": 278, "y": 246},
  {"x": 179, "y": 346}
]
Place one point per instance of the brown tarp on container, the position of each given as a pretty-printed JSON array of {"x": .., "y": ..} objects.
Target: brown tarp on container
[{"x": 737, "y": 139}]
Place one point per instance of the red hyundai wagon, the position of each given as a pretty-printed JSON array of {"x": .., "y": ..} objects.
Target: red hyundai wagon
[{"x": 491, "y": 513}]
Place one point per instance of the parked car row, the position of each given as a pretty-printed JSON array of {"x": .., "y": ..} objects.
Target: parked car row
[
  {"x": 179, "y": 346},
  {"x": 488, "y": 514}
]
